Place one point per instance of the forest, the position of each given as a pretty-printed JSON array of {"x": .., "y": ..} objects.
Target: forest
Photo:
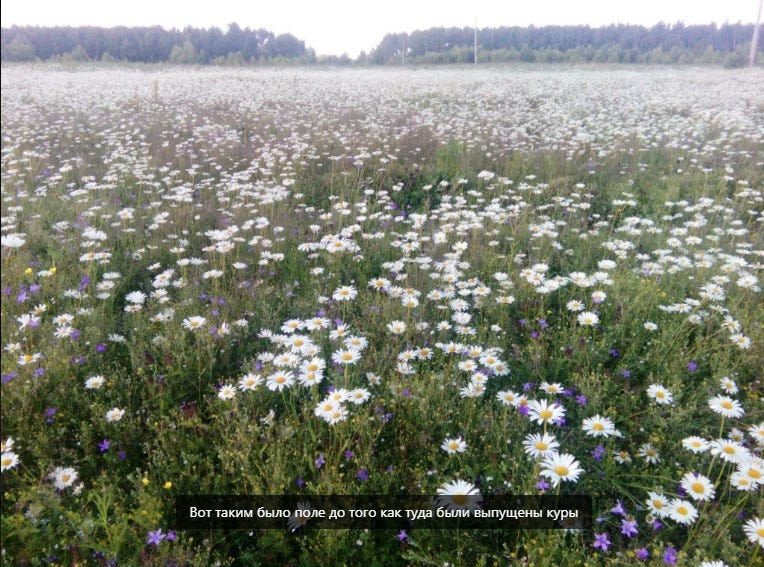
[{"x": 662, "y": 43}]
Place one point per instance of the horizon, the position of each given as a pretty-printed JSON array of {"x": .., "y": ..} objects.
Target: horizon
[{"x": 326, "y": 28}]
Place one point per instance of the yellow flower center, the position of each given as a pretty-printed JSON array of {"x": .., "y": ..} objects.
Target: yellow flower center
[
  {"x": 541, "y": 446},
  {"x": 726, "y": 404},
  {"x": 460, "y": 499},
  {"x": 598, "y": 427},
  {"x": 697, "y": 487},
  {"x": 545, "y": 414},
  {"x": 561, "y": 470}
]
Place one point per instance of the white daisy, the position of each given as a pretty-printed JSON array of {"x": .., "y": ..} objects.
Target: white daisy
[{"x": 560, "y": 467}]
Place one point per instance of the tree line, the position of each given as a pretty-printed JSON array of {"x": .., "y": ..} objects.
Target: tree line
[
  {"x": 662, "y": 43},
  {"x": 151, "y": 44}
]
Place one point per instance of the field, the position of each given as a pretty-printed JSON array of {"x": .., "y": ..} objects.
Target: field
[{"x": 531, "y": 280}]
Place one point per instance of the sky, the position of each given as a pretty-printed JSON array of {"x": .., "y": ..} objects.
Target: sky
[{"x": 333, "y": 27}]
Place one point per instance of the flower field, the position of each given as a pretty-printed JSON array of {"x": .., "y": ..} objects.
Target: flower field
[{"x": 453, "y": 282}]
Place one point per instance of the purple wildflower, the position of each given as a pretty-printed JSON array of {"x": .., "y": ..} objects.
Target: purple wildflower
[
  {"x": 643, "y": 554},
  {"x": 618, "y": 509},
  {"x": 629, "y": 528},
  {"x": 363, "y": 475},
  {"x": 104, "y": 445},
  {"x": 402, "y": 535},
  {"x": 9, "y": 377},
  {"x": 601, "y": 541},
  {"x": 320, "y": 461},
  {"x": 155, "y": 538},
  {"x": 669, "y": 556}
]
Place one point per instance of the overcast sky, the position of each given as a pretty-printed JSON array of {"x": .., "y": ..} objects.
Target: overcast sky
[{"x": 337, "y": 26}]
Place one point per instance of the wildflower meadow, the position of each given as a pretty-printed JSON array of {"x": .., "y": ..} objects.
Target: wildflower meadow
[{"x": 458, "y": 282}]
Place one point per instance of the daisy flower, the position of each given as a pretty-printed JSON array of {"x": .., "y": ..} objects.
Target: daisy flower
[
  {"x": 63, "y": 477},
  {"x": 698, "y": 487},
  {"x": 682, "y": 512},
  {"x": 396, "y": 327},
  {"x": 539, "y": 445},
  {"x": 227, "y": 392},
  {"x": 695, "y": 444},
  {"x": 357, "y": 343},
  {"x": 757, "y": 433},
  {"x": 338, "y": 414},
  {"x": 659, "y": 394},
  {"x": 754, "y": 531},
  {"x": 726, "y": 406},
  {"x": 296, "y": 521},
  {"x": 599, "y": 426},
  {"x": 648, "y": 452},
  {"x": 728, "y": 450},
  {"x": 741, "y": 481},
  {"x": 453, "y": 446},
  {"x": 250, "y": 381},
  {"x": 741, "y": 341},
  {"x": 753, "y": 469},
  {"x": 193, "y": 323},
  {"x": 508, "y": 397},
  {"x": 658, "y": 504},
  {"x": 8, "y": 460},
  {"x": 551, "y": 389},
  {"x": 94, "y": 382},
  {"x": 317, "y": 323},
  {"x": 308, "y": 379},
  {"x": 358, "y": 396},
  {"x": 325, "y": 408},
  {"x": 544, "y": 412},
  {"x": 728, "y": 385},
  {"x": 344, "y": 293},
  {"x": 346, "y": 356},
  {"x": 588, "y": 319},
  {"x": 277, "y": 381},
  {"x": 114, "y": 415},
  {"x": 559, "y": 467},
  {"x": 458, "y": 494}
]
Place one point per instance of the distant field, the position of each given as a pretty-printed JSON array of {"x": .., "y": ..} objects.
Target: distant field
[{"x": 421, "y": 282}]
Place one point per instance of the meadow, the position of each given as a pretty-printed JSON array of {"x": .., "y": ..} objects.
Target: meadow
[{"x": 497, "y": 280}]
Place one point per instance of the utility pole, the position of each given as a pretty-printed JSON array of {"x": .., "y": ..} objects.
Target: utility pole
[
  {"x": 476, "y": 33},
  {"x": 755, "y": 40}
]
